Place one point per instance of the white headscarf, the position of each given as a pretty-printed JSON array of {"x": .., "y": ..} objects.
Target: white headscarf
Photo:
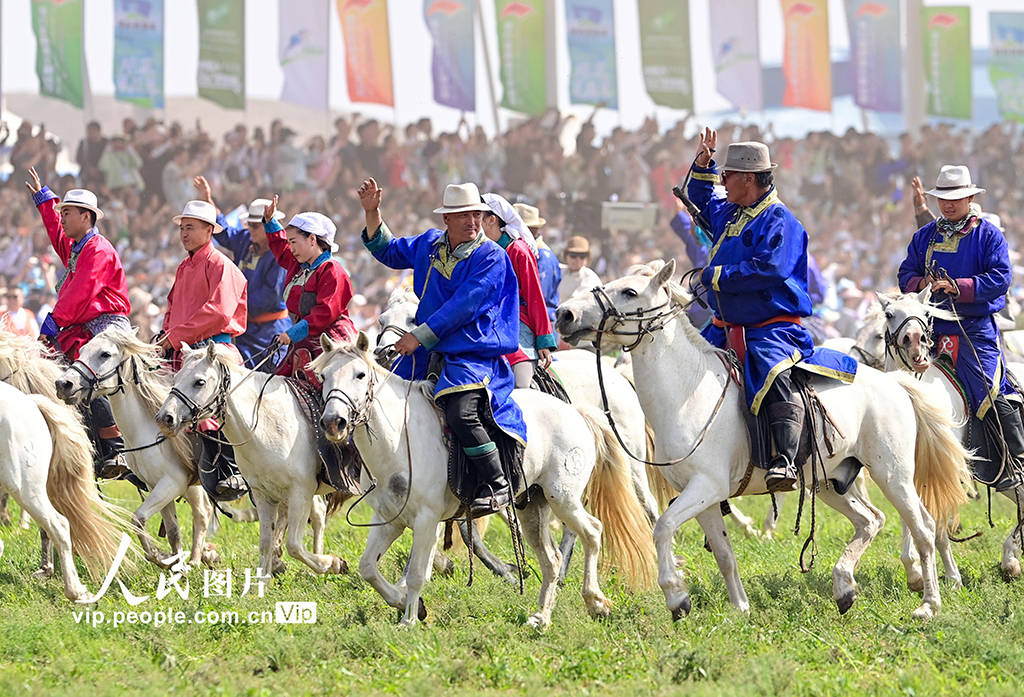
[{"x": 514, "y": 225}]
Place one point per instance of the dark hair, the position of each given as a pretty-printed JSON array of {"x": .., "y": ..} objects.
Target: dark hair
[
  {"x": 92, "y": 217},
  {"x": 324, "y": 245},
  {"x": 764, "y": 179}
]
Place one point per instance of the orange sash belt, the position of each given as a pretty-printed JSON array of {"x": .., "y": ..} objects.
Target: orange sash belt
[
  {"x": 269, "y": 317},
  {"x": 735, "y": 334},
  {"x": 780, "y": 318}
]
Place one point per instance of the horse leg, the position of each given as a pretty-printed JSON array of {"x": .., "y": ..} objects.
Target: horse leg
[
  {"x": 169, "y": 514},
  {"x": 164, "y": 493},
  {"x": 45, "y": 569},
  {"x": 713, "y": 524},
  {"x": 565, "y": 548},
  {"x": 202, "y": 514},
  {"x": 318, "y": 522},
  {"x": 280, "y": 527},
  {"x": 266, "y": 510},
  {"x": 59, "y": 532},
  {"x": 504, "y": 571},
  {"x": 745, "y": 522},
  {"x": 1010, "y": 563},
  {"x": 378, "y": 542},
  {"x": 300, "y": 504},
  {"x": 26, "y": 520},
  {"x": 537, "y": 532},
  {"x": 865, "y": 527},
  {"x": 945, "y": 550},
  {"x": 771, "y": 518},
  {"x": 424, "y": 542},
  {"x": 5, "y": 516},
  {"x": 911, "y": 562},
  {"x": 588, "y": 528}
]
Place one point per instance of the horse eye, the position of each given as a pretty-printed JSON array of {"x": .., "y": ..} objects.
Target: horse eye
[
  {"x": 106, "y": 354},
  {"x": 200, "y": 382},
  {"x": 410, "y": 323},
  {"x": 888, "y": 315},
  {"x": 630, "y": 293},
  {"x": 360, "y": 375},
  {"x": 879, "y": 336}
]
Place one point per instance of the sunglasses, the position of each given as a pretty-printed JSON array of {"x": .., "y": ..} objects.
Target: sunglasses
[{"x": 577, "y": 255}]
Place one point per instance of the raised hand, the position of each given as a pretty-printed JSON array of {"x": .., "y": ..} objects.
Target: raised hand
[
  {"x": 34, "y": 185},
  {"x": 203, "y": 188},
  {"x": 370, "y": 195},
  {"x": 706, "y": 146},
  {"x": 918, "y": 188},
  {"x": 268, "y": 211}
]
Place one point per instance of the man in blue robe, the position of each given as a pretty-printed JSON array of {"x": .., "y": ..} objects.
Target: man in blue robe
[
  {"x": 757, "y": 282},
  {"x": 469, "y": 315},
  {"x": 964, "y": 259}
]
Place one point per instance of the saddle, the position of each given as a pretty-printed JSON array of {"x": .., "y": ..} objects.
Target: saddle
[
  {"x": 340, "y": 463},
  {"x": 545, "y": 380}
]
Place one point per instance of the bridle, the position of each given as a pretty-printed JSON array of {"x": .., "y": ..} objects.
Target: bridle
[
  {"x": 215, "y": 407},
  {"x": 359, "y": 411},
  {"x": 894, "y": 349},
  {"x": 93, "y": 380},
  {"x": 869, "y": 359}
]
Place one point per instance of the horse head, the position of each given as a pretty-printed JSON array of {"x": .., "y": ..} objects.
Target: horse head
[
  {"x": 397, "y": 318},
  {"x": 621, "y": 310},
  {"x": 869, "y": 341},
  {"x": 908, "y": 327},
  {"x": 97, "y": 372},
  {"x": 347, "y": 372},
  {"x": 200, "y": 388}
]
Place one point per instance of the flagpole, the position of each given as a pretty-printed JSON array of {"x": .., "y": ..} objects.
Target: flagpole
[
  {"x": 913, "y": 85},
  {"x": 491, "y": 88}
]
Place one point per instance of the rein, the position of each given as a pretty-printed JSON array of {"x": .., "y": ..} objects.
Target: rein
[{"x": 895, "y": 350}]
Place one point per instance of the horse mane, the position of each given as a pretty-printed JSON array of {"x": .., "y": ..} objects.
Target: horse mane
[
  {"x": 28, "y": 365},
  {"x": 678, "y": 296}
]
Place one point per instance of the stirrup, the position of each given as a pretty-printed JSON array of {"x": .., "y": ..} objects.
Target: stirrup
[
  {"x": 493, "y": 501},
  {"x": 112, "y": 468},
  {"x": 231, "y": 488},
  {"x": 781, "y": 476}
]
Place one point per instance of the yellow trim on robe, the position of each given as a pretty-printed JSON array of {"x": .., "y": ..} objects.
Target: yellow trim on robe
[
  {"x": 745, "y": 217},
  {"x": 997, "y": 381},
  {"x": 714, "y": 278},
  {"x": 840, "y": 375},
  {"x": 705, "y": 177},
  {"x": 784, "y": 364}
]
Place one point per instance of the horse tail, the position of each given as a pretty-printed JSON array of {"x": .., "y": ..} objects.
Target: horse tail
[
  {"x": 627, "y": 538},
  {"x": 662, "y": 490},
  {"x": 941, "y": 476},
  {"x": 95, "y": 524}
]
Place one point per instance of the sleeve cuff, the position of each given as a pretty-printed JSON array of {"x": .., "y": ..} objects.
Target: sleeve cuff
[
  {"x": 425, "y": 335},
  {"x": 298, "y": 331},
  {"x": 272, "y": 227},
  {"x": 913, "y": 284},
  {"x": 716, "y": 275},
  {"x": 707, "y": 174},
  {"x": 381, "y": 240},
  {"x": 43, "y": 195},
  {"x": 545, "y": 341},
  {"x": 965, "y": 286}
]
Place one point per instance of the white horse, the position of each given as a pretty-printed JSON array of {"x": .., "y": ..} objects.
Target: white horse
[
  {"x": 275, "y": 447},
  {"x": 46, "y": 464},
  {"x": 570, "y": 457},
  {"x": 885, "y": 422},
  {"x": 908, "y": 318},
  {"x": 117, "y": 365}
]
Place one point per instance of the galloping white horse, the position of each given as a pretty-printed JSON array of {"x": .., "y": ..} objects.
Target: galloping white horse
[
  {"x": 275, "y": 446},
  {"x": 116, "y": 364},
  {"x": 885, "y": 422},
  {"x": 46, "y": 464},
  {"x": 908, "y": 317},
  {"x": 570, "y": 455}
]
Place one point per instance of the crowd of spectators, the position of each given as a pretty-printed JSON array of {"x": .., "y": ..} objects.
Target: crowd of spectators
[{"x": 852, "y": 192}]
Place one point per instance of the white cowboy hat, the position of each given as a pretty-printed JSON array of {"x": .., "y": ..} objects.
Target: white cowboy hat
[
  {"x": 462, "y": 197},
  {"x": 529, "y": 214},
  {"x": 200, "y": 210},
  {"x": 316, "y": 224},
  {"x": 256, "y": 211},
  {"x": 954, "y": 183},
  {"x": 81, "y": 198}
]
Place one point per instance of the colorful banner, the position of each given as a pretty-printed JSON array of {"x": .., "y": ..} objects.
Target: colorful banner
[
  {"x": 1006, "y": 68},
  {"x": 302, "y": 48},
  {"x": 947, "y": 61},
  {"x": 590, "y": 29},
  {"x": 736, "y": 52},
  {"x": 364, "y": 31},
  {"x": 523, "y": 54},
  {"x": 875, "y": 53},
  {"x": 806, "y": 62},
  {"x": 221, "y": 74},
  {"x": 665, "y": 52},
  {"x": 453, "y": 66},
  {"x": 58, "y": 28},
  {"x": 139, "y": 52}
]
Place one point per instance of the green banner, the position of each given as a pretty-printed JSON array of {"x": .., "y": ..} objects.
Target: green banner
[
  {"x": 1006, "y": 68},
  {"x": 58, "y": 28},
  {"x": 947, "y": 61},
  {"x": 221, "y": 74},
  {"x": 523, "y": 54},
  {"x": 665, "y": 52}
]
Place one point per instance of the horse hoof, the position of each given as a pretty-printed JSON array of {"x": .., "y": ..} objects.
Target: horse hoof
[
  {"x": 84, "y": 598},
  {"x": 421, "y": 611},
  {"x": 924, "y": 612},
  {"x": 43, "y": 572},
  {"x": 539, "y": 621},
  {"x": 1011, "y": 569},
  {"x": 682, "y": 609},
  {"x": 846, "y": 602},
  {"x": 338, "y": 566}
]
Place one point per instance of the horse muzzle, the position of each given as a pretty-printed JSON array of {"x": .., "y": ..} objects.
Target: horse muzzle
[
  {"x": 67, "y": 392},
  {"x": 335, "y": 427},
  {"x": 169, "y": 424}
]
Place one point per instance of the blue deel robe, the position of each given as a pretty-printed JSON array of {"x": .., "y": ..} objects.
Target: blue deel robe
[
  {"x": 979, "y": 263},
  {"x": 757, "y": 270},
  {"x": 266, "y": 294},
  {"x": 468, "y": 311},
  {"x": 550, "y": 276}
]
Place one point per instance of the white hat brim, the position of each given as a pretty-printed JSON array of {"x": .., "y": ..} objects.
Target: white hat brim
[
  {"x": 216, "y": 228},
  {"x": 482, "y": 207},
  {"x": 955, "y": 194},
  {"x": 94, "y": 209},
  {"x": 278, "y": 215}
]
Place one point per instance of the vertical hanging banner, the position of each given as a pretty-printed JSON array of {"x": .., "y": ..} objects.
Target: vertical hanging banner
[
  {"x": 302, "y": 48},
  {"x": 221, "y": 73},
  {"x": 453, "y": 66},
  {"x": 1006, "y": 68},
  {"x": 806, "y": 62},
  {"x": 523, "y": 54},
  {"x": 876, "y": 53},
  {"x": 947, "y": 61},
  {"x": 665, "y": 52},
  {"x": 736, "y": 52},
  {"x": 590, "y": 28},
  {"x": 139, "y": 52},
  {"x": 59, "y": 63},
  {"x": 364, "y": 31}
]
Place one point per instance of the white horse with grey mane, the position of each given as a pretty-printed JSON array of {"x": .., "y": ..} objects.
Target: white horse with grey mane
[{"x": 890, "y": 425}]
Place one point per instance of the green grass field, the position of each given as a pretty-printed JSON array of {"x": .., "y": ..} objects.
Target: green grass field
[{"x": 475, "y": 640}]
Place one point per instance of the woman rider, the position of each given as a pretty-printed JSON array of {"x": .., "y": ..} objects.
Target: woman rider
[{"x": 536, "y": 339}]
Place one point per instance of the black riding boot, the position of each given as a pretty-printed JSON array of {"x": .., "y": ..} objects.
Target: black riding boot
[
  {"x": 785, "y": 420},
  {"x": 219, "y": 462},
  {"x": 107, "y": 438},
  {"x": 493, "y": 493},
  {"x": 1013, "y": 434}
]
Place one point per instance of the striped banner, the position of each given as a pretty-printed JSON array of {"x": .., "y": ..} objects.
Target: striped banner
[
  {"x": 453, "y": 65},
  {"x": 364, "y": 31},
  {"x": 806, "y": 63}
]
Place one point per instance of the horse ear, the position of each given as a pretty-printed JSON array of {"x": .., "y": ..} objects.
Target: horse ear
[
  {"x": 135, "y": 332},
  {"x": 884, "y": 299},
  {"x": 327, "y": 343},
  {"x": 664, "y": 274},
  {"x": 362, "y": 342},
  {"x": 211, "y": 349},
  {"x": 925, "y": 296},
  {"x": 186, "y": 349}
]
